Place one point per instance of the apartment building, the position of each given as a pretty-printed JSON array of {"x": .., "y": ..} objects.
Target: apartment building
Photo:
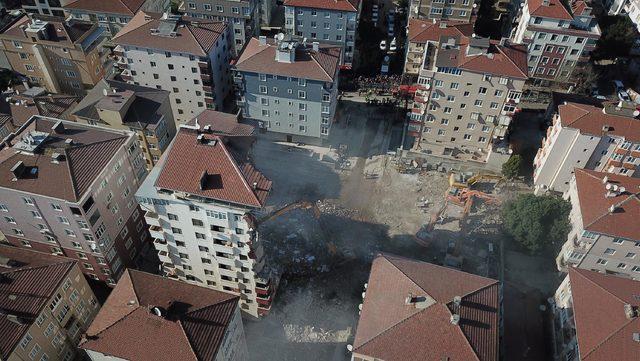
[
  {"x": 201, "y": 202},
  {"x": 46, "y": 306},
  {"x": 455, "y": 10},
  {"x": 468, "y": 91},
  {"x": 21, "y": 104},
  {"x": 59, "y": 55},
  {"x": 605, "y": 139},
  {"x": 559, "y": 39},
  {"x": 68, "y": 188},
  {"x": 189, "y": 57},
  {"x": 243, "y": 17},
  {"x": 148, "y": 317},
  {"x": 421, "y": 32},
  {"x": 604, "y": 234},
  {"x": 333, "y": 22},
  {"x": 289, "y": 88},
  {"x": 45, "y": 7},
  {"x": 142, "y": 110},
  {"x": 596, "y": 317},
  {"x": 113, "y": 15},
  {"x": 404, "y": 297}
]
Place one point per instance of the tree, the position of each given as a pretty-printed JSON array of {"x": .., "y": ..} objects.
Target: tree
[
  {"x": 618, "y": 36},
  {"x": 7, "y": 78},
  {"x": 537, "y": 221},
  {"x": 511, "y": 168}
]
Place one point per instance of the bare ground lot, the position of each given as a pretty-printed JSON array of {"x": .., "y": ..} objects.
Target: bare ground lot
[{"x": 364, "y": 210}]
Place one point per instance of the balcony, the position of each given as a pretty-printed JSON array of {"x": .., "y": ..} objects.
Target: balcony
[
  {"x": 126, "y": 75},
  {"x": 207, "y": 87},
  {"x": 204, "y": 66},
  {"x": 122, "y": 64},
  {"x": 118, "y": 51},
  {"x": 206, "y": 78},
  {"x": 164, "y": 257},
  {"x": 209, "y": 100},
  {"x": 152, "y": 221},
  {"x": 160, "y": 244},
  {"x": 156, "y": 232}
]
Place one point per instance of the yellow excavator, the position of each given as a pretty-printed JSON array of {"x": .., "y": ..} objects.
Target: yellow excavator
[{"x": 462, "y": 180}]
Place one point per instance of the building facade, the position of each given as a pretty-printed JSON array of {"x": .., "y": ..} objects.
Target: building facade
[
  {"x": 242, "y": 16},
  {"x": 68, "y": 188},
  {"x": 46, "y": 7},
  {"x": 60, "y": 55},
  {"x": 328, "y": 22},
  {"x": 143, "y": 110},
  {"x": 112, "y": 15},
  {"x": 202, "y": 215},
  {"x": 604, "y": 235},
  {"x": 589, "y": 137},
  {"x": 47, "y": 308},
  {"x": 180, "y": 322},
  {"x": 188, "y": 57},
  {"x": 595, "y": 317},
  {"x": 559, "y": 39},
  {"x": 468, "y": 91},
  {"x": 289, "y": 88},
  {"x": 455, "y": 10}
]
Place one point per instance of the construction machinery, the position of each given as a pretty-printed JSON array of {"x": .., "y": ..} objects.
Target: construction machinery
[{"x": 466, "y": 180}]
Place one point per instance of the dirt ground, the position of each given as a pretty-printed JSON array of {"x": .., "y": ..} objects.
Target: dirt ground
[{"x": 367, "y": 208}]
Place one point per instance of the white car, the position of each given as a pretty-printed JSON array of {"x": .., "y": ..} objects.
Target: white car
[
  {"x": 392, "y": 45},
  {"x": 383, "y": 45},
  {"x": 390, "y": 31},
  {"x": 624, "y": 96},
  {"x": 374, "y": 17}
]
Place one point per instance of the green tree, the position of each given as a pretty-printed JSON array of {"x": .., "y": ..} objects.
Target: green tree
[
  {"x": 537, "y": 221},
  {"x": 618, "y": 36},
  {"x": 7, "y": 78},
  {"x": 511, "y": 168}
]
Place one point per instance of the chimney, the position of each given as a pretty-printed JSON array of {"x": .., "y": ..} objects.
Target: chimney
[
  {"x": 443, "y": 25},
  {"x": 105, "y": 92},
  {"x": 545, "y": 2},
  {"x": 263, "y": 40},
  {"x": 203, "y": 180},
  {"x": 58, "y": 128},
  {"x": 503, "y": 41},
  {"x": 630, "y": 311},
  {"x": 455, "y": 319},
  {"x": 316, "y": 46}
]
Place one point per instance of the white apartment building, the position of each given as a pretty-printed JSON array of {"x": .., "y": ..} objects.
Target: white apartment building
[
  {"x": 596, "y": 317},
  {"x": 468, "y": 90},
  {"x": 68, "y": 188},
  {"x": 188, "y": 57},
  {"x": 585, "y": 136},
  {"x": 605, "y": 233},
  {"x": 559, "y": 38},
  {"x": 200, "y": 202}
]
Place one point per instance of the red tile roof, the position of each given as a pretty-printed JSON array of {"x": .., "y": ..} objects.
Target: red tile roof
[
  {"x": 26, "y": 289},
  {"x": 421, "y": 31},
  {"x": 193, "y": 36},
  {"x": 595, "y": 206},
  {"x": 340, "y": 5},
  {"x": 228, "y": 179},
  {"x": 591, "y": 120},
  {"x": 92, "y": 149},
  {"x": 124, "y": 7},
  {"x": 603, "y": 330},
  {"x": 553, "y": 9},
  {"x": 507, "y": 60},
  {"x": 391, "y": 329},
  {"x": 224, "y": 124},
  {"x": 192, "y": 326},
  {"x": 321, "y": 65}
]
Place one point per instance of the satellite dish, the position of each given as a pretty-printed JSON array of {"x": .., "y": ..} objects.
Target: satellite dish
[
  {"x": 636, "y": 113},
  {"x": 280, "y": 36},
  {"x": 304, "y": 40},
  {"x": 290, "y": 46},
  {"x": 349, "y": 348}
]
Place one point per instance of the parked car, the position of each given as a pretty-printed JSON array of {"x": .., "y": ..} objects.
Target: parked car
[
  {"x": 374, "y": 18},
  {"x": 624, "y": 96},
  {"x": 390, "y": 31},
  {"x": 385, "y": 65},
  {"x": 383, "y": 45},
  {"x": 618, "y": 84},
  {"x": 392, "y": 45}
]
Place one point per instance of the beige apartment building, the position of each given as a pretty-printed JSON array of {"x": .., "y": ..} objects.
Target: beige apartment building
[
  {"x": 605, "y": 139},
  {"x": 468, "y": 91},
  {"x": 456, "y": 10},
  {"x": 47, "y": 305},
  {"x": 415, "y": 310},
  {"x": 68, "y": 188},
  {"x": 605, "y": 233},
  {"x": 148, "y": 317},
  {"x": 145, "y": 111},
  {"x": 60, "y": 55},
  {"x": 421, "y": 32},
  {"x": 596, "y": 317}
]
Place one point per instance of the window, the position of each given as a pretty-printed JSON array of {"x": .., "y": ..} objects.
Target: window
[
  {"x": 622, "y": 265},
  {"x": 610, "y": 251},
  {"x": 25, "y": 340},
  {"x": 34, "y": 351},
  {"x": 601, "y": 261},
  {"x": 172, "y": 217},
  {"x": 263, "y": 89},
  {"x": 27, "y": 201},
  {"x": 175, "y": 230},
  {"x": 302, "y": 94}
]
